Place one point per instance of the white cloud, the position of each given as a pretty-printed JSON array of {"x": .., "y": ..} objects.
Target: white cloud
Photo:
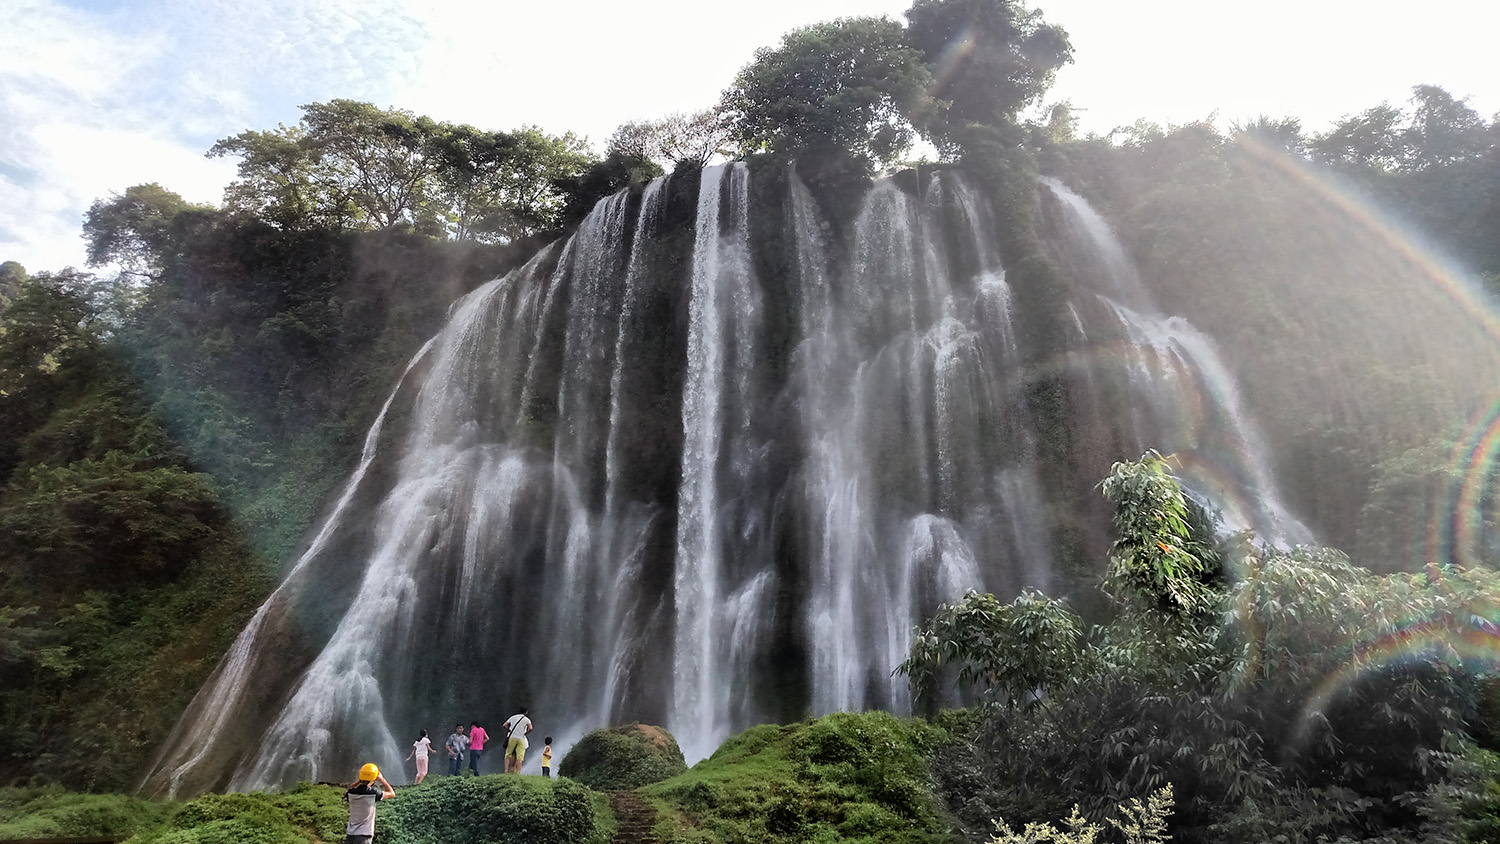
[
  {"x": 96, "y": 100},
  {"x": 1174, "y": 61},
  {"x": 587, "y": 67}
]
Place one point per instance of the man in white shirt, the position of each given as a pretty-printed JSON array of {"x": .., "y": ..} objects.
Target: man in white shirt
[{"x": 516, "y": 728}]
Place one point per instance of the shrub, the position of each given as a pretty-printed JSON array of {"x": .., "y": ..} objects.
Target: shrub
[
  {"x": 54, "y": 813},
  {"x": 495, "y": 809},
  {"x": 305, "y": 814},
  {"x": 623, "y": 757},
  {"x": 845, "y": 777},
  {"x": 1140, "y": 823}
]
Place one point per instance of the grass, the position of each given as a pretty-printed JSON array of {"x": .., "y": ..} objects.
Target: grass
[
  {"x": 842, "y": 778},
  {"x": 52, "y": 812},
  {"x": 305, "y": 815}
]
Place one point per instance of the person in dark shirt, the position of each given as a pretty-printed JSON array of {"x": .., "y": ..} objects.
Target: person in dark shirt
[{"x": 362, "y": 797}]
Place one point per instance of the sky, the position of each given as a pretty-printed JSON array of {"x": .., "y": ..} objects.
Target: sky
[{"x": 99, "y": 95}]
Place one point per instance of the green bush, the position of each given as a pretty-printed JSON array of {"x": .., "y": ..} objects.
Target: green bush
[
  {"x": 495, "y": 809},
  {"x": 308, "y": 813},
  {"x": 623, "y": 757},
  {"x": 844, "y": 777},
  {"x": 52, "y": 812}
]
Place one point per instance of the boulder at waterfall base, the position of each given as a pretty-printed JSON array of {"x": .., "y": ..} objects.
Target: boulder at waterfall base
[{"x": 623, "y": 757}]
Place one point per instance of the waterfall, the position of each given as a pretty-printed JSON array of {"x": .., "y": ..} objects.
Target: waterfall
[
  {"x": 920, "y": 454},
  {"x": 724, "y": 310},
  {"x": 664, "y": 472},
  {"x": 1186, "y": 400}
]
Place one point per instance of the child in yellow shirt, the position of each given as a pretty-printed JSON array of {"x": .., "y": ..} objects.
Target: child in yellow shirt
[{"x": 547, "y": 757}]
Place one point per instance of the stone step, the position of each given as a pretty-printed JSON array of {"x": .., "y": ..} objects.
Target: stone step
[{"x": 634, "y": 817}]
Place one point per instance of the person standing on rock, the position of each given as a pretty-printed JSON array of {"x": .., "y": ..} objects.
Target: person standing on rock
[
  {"x": 477, "y": 738},
  {"x": 516, "y": 728}
]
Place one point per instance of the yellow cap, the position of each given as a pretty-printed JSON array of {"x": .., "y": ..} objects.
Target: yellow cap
[{"x": 369, "y": 773}]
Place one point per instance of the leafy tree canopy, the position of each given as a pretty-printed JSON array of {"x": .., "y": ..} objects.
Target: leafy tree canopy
[
  {"x": 134, "y": 229},
  {"x": 1012, "y": 654},
  {"x": 1439, "y": 130},
  {"x": 349, "y": 164},
  {"x": 676, "y": 138},
  {"x": 11, "y": 276},
  {"x": 989, "y": 58},
  {"x": 849, "y": 87}
]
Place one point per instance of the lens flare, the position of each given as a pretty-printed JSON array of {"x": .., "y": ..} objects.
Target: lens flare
[{"x": 1455, "y": 519}]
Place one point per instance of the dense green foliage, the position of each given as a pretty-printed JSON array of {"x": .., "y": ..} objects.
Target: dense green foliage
[
  {"x": 54, "y": 813},
  {"x": 989, "y": 59},
  {"x": 623, "y": 757},
  {"x": 1317, "y": 699},
  {"x": 1014, "y": 654},
  {"x": 496, "y": 809},
  {"x": 122, "y": 577},
  {"x": 1362, "y": 359},
  {"x": 349, "y": 164},
  {"x": 1156, "y": 557},
  {"x": 845, "y": 777},
  {"x": 305, "y": 815},
  {"x": 831, "y": 91}
]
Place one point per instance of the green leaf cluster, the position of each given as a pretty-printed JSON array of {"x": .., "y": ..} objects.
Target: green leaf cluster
[
  {"x": 1155, "y": 558},
  {"x": 1309, "y": 697},
  {"x": 1014, "y": 654},
  {"x": 1140, "y": 823}
]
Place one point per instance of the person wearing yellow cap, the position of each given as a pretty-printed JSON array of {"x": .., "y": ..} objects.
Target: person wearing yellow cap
[{"x": 362, "y": 797}]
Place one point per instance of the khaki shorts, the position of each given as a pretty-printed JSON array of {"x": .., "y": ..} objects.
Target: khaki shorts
[{"x": 517, "y": 748}]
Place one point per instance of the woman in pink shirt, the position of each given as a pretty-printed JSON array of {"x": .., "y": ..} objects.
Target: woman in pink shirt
[{"x": 477, "y": 735}]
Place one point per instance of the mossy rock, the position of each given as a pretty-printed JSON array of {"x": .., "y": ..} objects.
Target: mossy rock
[{"x": 623, "y": 757}]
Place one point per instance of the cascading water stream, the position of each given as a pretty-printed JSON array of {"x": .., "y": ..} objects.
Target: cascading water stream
[
  {"x": 723, "y": 308},
  {"x": 1170, "y": 359},
  {"x": 623, "y": 529},
  {"x": 656, "y": 474},
  {"x": 223, "y": 695},
  {"x": 909, "y": 362}
]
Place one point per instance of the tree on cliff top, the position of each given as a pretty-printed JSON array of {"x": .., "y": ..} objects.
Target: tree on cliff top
[
  {"x": 988, "y": 59},
  {"x": 134, "y": 229},
  {"x": 848, "y": 87},
  {"x": 350, "y": 165}
]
